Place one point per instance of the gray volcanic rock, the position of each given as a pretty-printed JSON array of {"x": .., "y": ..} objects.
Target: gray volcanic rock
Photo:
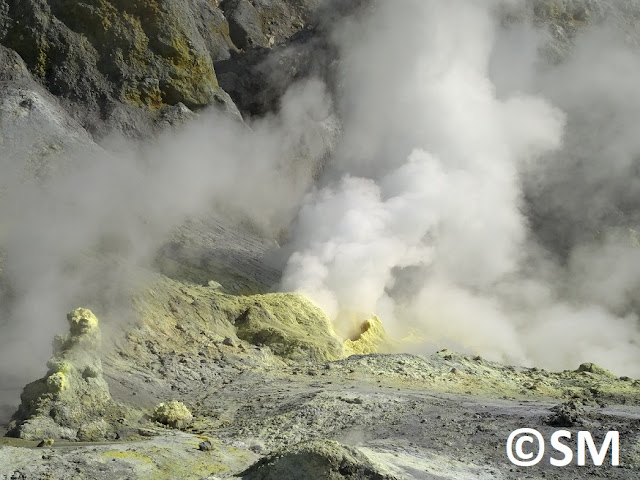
[
  {"x": 316, "y": 459},
  {"x": 37, "y": 136},
  {"x": 267, "y": 22},
  {"x": 12, "y": 68},
  {"x": 257, "y": 77},
  {"x": 245, "y": 26},
  {"x": 274, "y": 56},
  {"x": 117, "y": 63},
  {"x": 565, "y": 19}
]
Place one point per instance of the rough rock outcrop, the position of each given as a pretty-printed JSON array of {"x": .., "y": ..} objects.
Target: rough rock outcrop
[
  {"x": 257, "y": 77},
  {"x": 567, "y": 414},
  {"x": 564, "y": 20},
  {"x": 72, "y": 401},
  {"x": 265, "y": 23},
  {"x": 120, "y": 62},
  {"x": 37, "y": 136},
  {"x": 124, "y": 66},
  {"x": 315, "y": 459},
  {"x": 121, "y": 66}
]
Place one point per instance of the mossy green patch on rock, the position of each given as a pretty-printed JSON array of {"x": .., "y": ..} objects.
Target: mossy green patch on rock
[
  {"x": 191, "y": 79},
  {"x": 148, "y": 46},
  {"x": 562, "y": 11}
]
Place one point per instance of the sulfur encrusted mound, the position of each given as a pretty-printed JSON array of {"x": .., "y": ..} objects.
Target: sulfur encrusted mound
[
  {"x": 173, "y": 414},
  {"x": 176, "y": 314},
  {"x": 72, "y": 401},
  {"x": 289, "y": 324},
  {"x": 372, "y": 339}
]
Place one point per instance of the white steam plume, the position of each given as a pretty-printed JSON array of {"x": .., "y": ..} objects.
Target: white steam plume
[
  {"x": 80, "y": 237},
  {"x": 422, "y": 219}
]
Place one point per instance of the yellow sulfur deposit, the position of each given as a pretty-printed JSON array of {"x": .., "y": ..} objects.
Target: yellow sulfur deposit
[
  {"x": 57, "y": 382},
  {"x": 174, "y": 414},
  {"x": 372, "y": 339}
]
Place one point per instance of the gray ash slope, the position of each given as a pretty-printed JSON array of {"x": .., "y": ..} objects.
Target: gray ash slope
[{"x": 366, "y": 417}]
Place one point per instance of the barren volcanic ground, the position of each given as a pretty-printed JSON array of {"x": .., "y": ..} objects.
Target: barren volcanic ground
[{"x": 272, "y": 400}]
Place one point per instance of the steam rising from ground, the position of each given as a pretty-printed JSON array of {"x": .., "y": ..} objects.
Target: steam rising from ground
[
  {"x": 80, "y": 237},
  {"x": 448, "y": 144},
  {"x": 473, "y": 198}
]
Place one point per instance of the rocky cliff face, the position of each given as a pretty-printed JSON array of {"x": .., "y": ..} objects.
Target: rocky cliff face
[
  {"x": 124, "y": 66},
  {"x": 118, "y": 65},
  {"x": 37, "y": 135}
]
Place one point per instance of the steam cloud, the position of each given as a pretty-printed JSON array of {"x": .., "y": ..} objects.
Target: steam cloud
[
  {"x": 478, "y": 199},
  {"x": 474, "y": 196},
  {"x": 84, "y": 236}
]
